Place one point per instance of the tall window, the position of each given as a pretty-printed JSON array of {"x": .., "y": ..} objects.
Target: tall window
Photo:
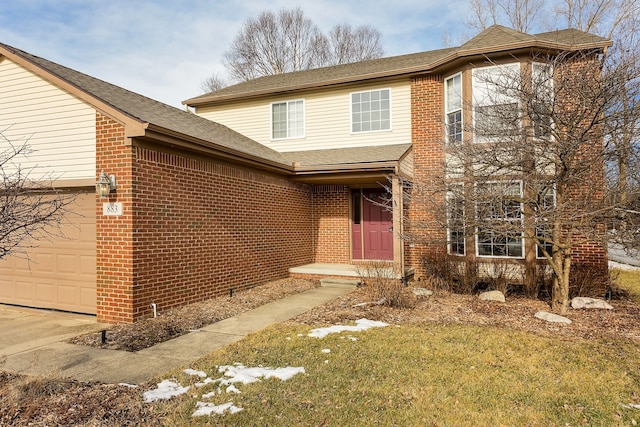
[
  {"x": 455, "y": 222},
  {"x": 371, "y": 111},
  {"x": 546, "y": 202},
  {"x": 453, "y": 108},
  {"x": 495, "y": 102},
  {"x": 499, "y": 211},
  {"x": 287, "y": 119},
  {"x": 542, "y": 82}
]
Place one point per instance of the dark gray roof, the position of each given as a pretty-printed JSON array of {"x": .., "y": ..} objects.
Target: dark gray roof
[
  {"x": 348, "y": 156},
  {"x": 147, "y": 110},
  {"x": 494, "y": 39}
]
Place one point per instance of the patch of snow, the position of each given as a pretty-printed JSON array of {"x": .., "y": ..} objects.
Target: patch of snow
[
  {"x": 630, "y": 406},
  {"x": 233, "y": 389},
  {"x": 241, "y": 374},
  {"x": 361, "y": 325},
  {"x": 621, "y": 266},
  {"x": 326, "y": 350},
  {"x": 166, "y": 390},
  {"x": 210, "y": 394},
  {"x": 205, "y": 408},
  {"x": 201, "y": 374},
  {"x": 128, "y": 385}
]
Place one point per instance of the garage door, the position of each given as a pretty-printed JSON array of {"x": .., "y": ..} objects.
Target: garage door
[{"x": 60, "y": 273}]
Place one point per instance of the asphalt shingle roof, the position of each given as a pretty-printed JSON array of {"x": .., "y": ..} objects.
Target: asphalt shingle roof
[
  {"x": 154, "y": 112},
  {"x": 494, "y": 38},
  {"x": 351, "y": 156}
]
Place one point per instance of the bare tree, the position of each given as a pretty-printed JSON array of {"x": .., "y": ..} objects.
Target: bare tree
[
  {"x": 521, "y": 15},
  {"x": 276, "y": 43},
  {"x": 30, "y": 209},
  {"x": 352, "y": 45},
  {"x": 213, "y": 83},
  {"x": 524, "y": 175}
]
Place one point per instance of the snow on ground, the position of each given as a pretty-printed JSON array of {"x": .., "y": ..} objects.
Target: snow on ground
[
  {"x": 361, "y": 325},
  {"x": 238, "y": 373},
  {"x": 166, "y": 390},
  {"x": 621, "y": 266}
]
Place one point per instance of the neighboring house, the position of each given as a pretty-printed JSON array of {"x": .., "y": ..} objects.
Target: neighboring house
[{"x": 269, "y": 175}]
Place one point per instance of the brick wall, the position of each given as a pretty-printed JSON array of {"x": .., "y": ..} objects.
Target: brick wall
[
  {"x": 424, "y": 227},
  {"x": 331, "y": 222},
  {"x": 202, "y": 229},
  {"x": 114, "y": 234},
  {"x": 192, "y": 229}
]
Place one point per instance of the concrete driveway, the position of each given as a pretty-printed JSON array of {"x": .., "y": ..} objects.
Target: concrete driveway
[{"x": 24, "y": 329}]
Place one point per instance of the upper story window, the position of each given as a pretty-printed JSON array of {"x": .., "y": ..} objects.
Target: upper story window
[
  {"x": 371, "y": 111},
  {"x": 495, "y": 102},
  {"x": 287, "y": 119},
  {"x": 453, "y": 108},
  {"x": 541, "y": 116}
]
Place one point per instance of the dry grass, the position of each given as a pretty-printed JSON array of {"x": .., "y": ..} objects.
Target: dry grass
[
  {"x": 433, "y": 375},
  {"x": 629, "y": 280}
]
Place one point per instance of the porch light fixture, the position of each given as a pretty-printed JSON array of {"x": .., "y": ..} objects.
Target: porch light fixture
[{"x": 105, "y": 185}]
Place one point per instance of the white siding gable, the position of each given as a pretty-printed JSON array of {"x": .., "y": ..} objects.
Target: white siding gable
[
  {"x": 58, "y": 127},
  {"x": 327, "y": 119}
]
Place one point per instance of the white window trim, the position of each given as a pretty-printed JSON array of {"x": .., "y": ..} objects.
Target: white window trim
[
  {"x": 446, "y": 104},
  {"x": 390, "y": 111},
  {"x": 475, "y": 95},
  {"x": 304, "y": 119},
  {"x": 522, "y": 237},
  {"x": 449, "y": 196}
]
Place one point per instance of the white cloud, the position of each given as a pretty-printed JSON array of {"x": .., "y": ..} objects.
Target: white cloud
[{"x": 164, "y": 49}]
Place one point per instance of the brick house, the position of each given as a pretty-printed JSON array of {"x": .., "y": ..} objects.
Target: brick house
[{"x": 264, "y": 179}]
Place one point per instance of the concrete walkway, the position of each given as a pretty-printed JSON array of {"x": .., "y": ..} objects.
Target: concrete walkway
[{"x": 48, "y": 354}]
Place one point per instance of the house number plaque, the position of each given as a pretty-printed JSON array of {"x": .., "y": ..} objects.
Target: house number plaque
[{"x": 112, "y": 209}]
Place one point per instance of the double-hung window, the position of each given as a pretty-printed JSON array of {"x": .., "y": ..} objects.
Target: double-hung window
[
  {"x": 545, "y": 205},
  {"x": 495, "y": 103},
  {"x": 453, "y": 108},
  {"x": 371, "y": 111},
  {"x": 499, "y": 214},
  {"x": 287, "y": 119},
  {"x": 455, "y": 221}
]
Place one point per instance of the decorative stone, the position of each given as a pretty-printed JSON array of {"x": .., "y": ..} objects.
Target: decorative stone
[
  {"x": 492, "y": 296},
  {"x": 584, "y": 302},
  {"x": 550, "y": 317},
  {"x": 422, "y": 292}
]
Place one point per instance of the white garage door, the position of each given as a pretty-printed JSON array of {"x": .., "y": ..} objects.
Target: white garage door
[{"x": 60, "y": 273}]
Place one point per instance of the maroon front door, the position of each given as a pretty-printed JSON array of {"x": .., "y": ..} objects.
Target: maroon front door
[{"x": 372, "y": 228}]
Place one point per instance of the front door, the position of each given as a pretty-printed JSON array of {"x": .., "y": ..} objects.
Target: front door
[{"x": 372, "y": 229}]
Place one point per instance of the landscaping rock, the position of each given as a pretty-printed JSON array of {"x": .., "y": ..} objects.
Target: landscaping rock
[
  {"x": 422, "y": 292},
  {"x": 584, "y": 302},
  {"x": 492, "y": 296},
  {"x": 550, "y": 317}
]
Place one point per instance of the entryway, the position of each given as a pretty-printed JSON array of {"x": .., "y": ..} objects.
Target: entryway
[{"x": 371, "y": 224}]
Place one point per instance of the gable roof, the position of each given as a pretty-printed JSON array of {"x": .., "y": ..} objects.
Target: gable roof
[
  {"x": 494, "y": 39},
  {"x": 150, "y": 114}
]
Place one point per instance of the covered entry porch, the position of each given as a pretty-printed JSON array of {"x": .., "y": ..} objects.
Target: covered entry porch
[{"x": 357, "y": 209}]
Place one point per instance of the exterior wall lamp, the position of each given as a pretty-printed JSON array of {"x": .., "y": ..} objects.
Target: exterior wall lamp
[{"x": 105, "y": 185}]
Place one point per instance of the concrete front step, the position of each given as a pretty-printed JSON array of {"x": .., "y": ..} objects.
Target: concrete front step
[{"x": 336, "y": 282}]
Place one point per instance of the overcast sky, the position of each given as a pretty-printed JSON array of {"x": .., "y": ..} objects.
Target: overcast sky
[{"x": 164, "y": 49}]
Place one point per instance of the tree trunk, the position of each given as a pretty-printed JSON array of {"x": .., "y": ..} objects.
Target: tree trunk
[{"x": 560, "y": 289}]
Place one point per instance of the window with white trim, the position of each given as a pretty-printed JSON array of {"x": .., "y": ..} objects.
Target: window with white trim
[
  {"x": 287, "y": 119},
  {"x": 499, "y": 213},
  {"x": 453, "y": 108},
  {"x": 371, "y": 111},
  {"x": 455, "y": 222},
  {"x": 495, "y": 103}
]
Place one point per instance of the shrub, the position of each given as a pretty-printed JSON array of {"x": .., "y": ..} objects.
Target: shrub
[{"x": 382, "y": 285}]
